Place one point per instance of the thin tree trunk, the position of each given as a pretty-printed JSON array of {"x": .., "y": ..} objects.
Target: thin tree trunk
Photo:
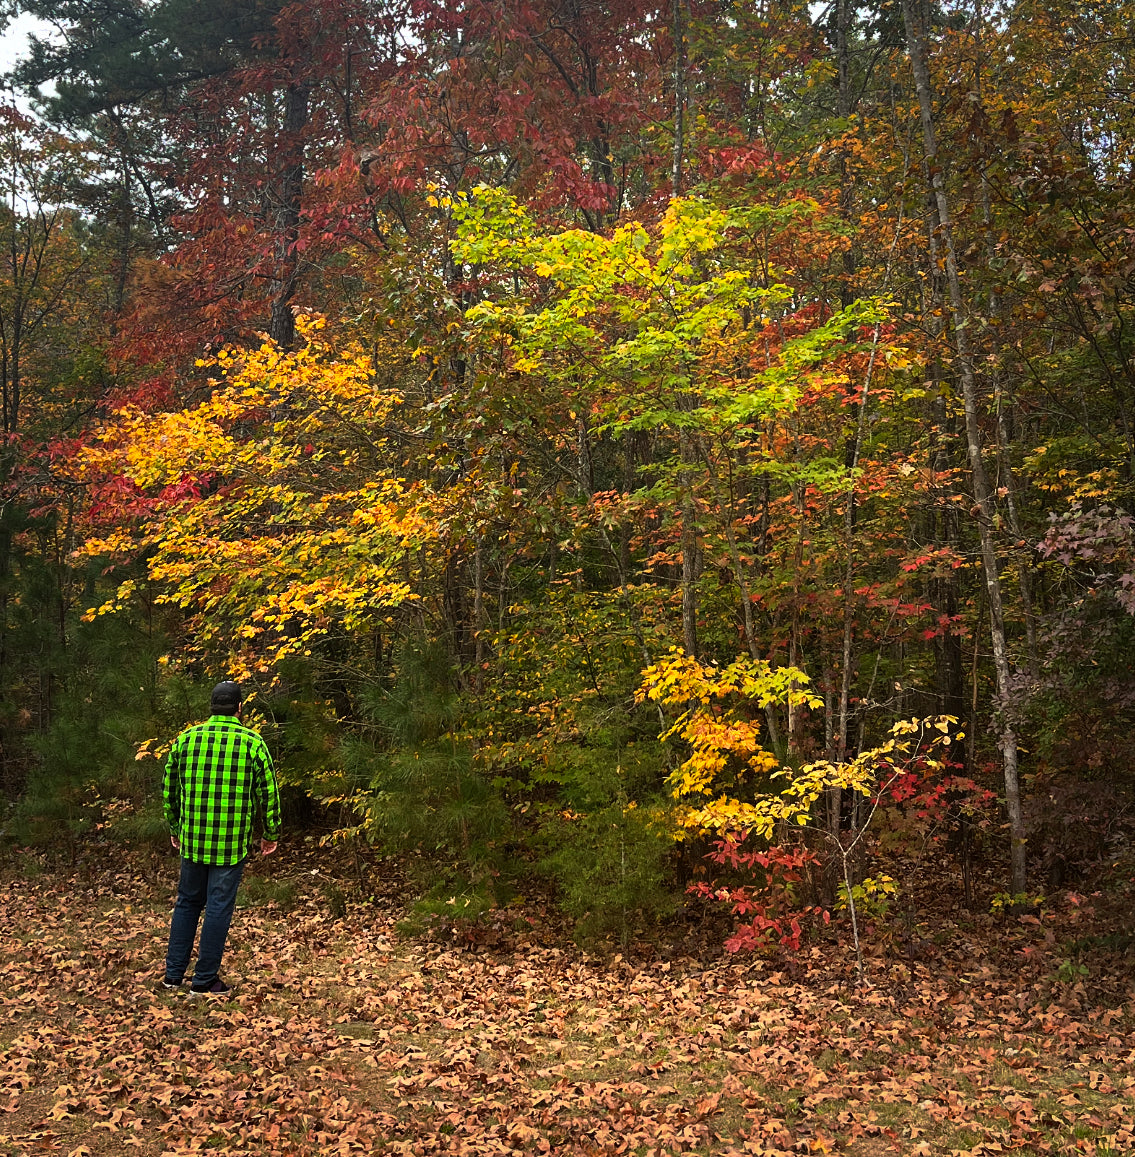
[
  {"x": 1005, "y": 468},
  {"x": 282, "y": 326},
  {"x": 689, "y": 553},
  {"x": 748, "y": 626},
  {"x": 479, "y": 623},
  {"x": 982, "y": 491},
  {"x": 944, "y": 524},
  {"x": 843, "y": 58},
  {"x": 677, "y": 157}
]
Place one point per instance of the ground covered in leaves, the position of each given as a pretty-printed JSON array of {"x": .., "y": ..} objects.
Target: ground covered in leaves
[{"x": 345, "y": 1035}]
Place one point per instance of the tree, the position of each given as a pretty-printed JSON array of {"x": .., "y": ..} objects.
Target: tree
[
  {"x": 983, "y": 491},
  {"x": 50, "y": 295},
  {"x": 235, "y": 103},
  {"x": 263, "y": 511}
]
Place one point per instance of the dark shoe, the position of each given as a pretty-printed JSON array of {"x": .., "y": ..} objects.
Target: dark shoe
[
  {"x": 217, "y": 988},
  {"x": 174, "y": 986}
]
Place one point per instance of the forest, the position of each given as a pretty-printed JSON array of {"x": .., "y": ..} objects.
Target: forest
[{"x": 662, "y": 454}]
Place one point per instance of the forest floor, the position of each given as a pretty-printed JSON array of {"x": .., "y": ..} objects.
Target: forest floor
[{"x": 973, "y": 1035}]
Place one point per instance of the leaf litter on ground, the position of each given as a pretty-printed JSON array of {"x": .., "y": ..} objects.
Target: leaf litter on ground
[{"x": 344, "y": 1036}]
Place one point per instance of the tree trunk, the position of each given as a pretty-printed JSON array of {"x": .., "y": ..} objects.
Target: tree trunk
[
  {"x": 1005, "y": 467},
  {"x": 282, "y": 327},
  {"x": 689, "y": 554},
  {"x": 479, "y": 618},
  {"x": 983, "y": 494},
  {"x": 677, "y": 157}
]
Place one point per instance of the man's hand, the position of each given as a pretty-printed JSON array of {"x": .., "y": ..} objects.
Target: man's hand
[
  {"x": 176, "y": 843},
  {"x": 267, "y": 847}
]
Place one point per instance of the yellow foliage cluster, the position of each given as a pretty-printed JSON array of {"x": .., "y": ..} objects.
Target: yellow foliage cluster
[
  {"x": 726, "y": 757},
  {"x": 729, "y": 782},
  {"x": 267, "y": 514}
]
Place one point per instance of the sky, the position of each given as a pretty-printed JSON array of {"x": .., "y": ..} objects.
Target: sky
[{"x": 14, "y": 40}]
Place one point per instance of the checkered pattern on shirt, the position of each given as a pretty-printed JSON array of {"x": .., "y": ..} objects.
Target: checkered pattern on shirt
[{"x": 218, "y": 779}]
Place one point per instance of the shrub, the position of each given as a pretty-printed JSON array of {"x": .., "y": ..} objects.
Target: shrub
[{"x": 612, "y": 868}]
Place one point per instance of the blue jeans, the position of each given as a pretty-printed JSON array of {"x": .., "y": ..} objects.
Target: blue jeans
[{"x": 214, "y": 889}]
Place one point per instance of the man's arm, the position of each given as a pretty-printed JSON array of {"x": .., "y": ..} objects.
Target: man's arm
[
  {"x": 171, "y": 793},
  {"x": 269, "y": 794}
]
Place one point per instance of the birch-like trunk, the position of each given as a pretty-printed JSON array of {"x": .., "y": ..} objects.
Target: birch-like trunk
[{"x": 983, "y": 493}]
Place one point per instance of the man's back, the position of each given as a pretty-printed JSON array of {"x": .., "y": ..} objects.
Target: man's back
[{"x": 219, "y": 775}]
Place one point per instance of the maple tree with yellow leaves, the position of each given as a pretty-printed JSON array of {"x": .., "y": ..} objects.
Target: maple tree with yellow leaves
[{"x": 261, "y": 514}]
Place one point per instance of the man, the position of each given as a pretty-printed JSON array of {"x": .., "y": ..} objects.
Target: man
[{"x": 218, "y": 779}]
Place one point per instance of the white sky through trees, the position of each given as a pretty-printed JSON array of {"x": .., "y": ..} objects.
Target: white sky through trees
[{"x": 14, "y": 44}]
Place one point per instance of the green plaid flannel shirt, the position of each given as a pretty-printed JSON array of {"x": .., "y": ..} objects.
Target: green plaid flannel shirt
[{"x": 218, "y": 779}]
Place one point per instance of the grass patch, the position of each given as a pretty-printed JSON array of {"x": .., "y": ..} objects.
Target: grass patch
[{"x": 261, "y": 891}]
